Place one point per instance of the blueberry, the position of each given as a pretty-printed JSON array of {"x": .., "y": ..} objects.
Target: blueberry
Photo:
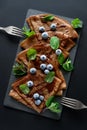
[
  {"x": 49, "y": 66},
  {"x": 46, "y": 71},
  {"x": 43, "y": 57},
  {"x": 53, "y": 26},
  {"x": 58, "y": 52},
  {"x": 30, "y": 84},
  {"x": 45, "y": 35},
  {"x": 41, "y": 29},
  {"x": 41, "y": 97},
  {"x": 36, "y": 95},
  {"x": 37, "y": 102},
  {"x": 43, "y": 66},
  {"x": 33, "y": 70}
]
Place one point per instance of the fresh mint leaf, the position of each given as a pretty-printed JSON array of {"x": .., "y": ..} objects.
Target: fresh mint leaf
[
  {"x": 61, "y": 59},
  {"x": 77, "y": 23},
  {"x": 54, "y": 107},
  {"x": 28, "y": 32},
  {"x": 24, "y": 88},
  {"x": 68, "y": 66},
  {"x": 48, "y": 102},
  {"x": 50, "y": 77},
  {"x": 31, "y": 33},
  {"x": 25, "y": 29},
  {"x": 31, "y": 54},
  {"x": 19, "y": 70},
  {"x": 54, "y": 42},
  {"x": 48, "y": 18}
]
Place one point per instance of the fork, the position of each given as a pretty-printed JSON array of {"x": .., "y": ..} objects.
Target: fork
[
  {"x": 12, "y": 30},
  {"x": 73, "y": 103}
]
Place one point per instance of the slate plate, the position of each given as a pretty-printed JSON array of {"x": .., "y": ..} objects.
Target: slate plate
[{"x": 10, "y": 102}]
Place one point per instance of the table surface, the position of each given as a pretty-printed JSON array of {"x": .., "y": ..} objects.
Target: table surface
[{"x": 13, "y": 13}]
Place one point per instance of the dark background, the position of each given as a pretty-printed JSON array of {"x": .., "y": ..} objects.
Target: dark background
[{"x": 13, "y": 12}]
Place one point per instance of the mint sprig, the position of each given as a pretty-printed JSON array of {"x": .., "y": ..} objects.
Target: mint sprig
[
  {"x": 24, "y": 89},
  {"x": 19, "y": 70},
  {"x": 53, "y": 105},
  {"x": 50, "y": 77},
  {"x": 77, "y": 23},
  {"x": 48, "y": 102},
  {"x": 68, "y": 66},
  {"x": 27, "y": 32},
  {"x": 54, "y": 42},
  {"x": 61, "y": 59},
  {"x": 48, "y": 18},
  {"x": 31, "y": 54}
]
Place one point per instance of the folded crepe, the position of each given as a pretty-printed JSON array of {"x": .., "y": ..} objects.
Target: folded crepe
[
  {"x": 67, "y": 44},
  {"x": 64, "y": 32},
  {"x": 41, "y": 49},
  {"x": 64, "y": 29},
  {"x": 40, "y": 86}
]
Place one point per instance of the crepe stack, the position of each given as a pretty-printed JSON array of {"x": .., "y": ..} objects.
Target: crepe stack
[{"x": 66, "y": 34}]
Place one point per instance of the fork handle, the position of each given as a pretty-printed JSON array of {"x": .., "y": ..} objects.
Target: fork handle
[
  {"x": 1, "y": 28},
  {"x": 84, "y": 107}
]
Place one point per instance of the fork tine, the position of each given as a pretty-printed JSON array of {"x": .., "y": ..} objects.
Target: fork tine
[
  {"x": 12, "y": 30},
  {"x": 16, "y": 28},
  {"x": 67, "y": 105},
  {"x": 73, "y": 103},
  {"x": 69, "y": 102},
  {"x": 16, "y": 31},
  {"x": 69, "y": 99},
  {"x": 16, "y": 34}
]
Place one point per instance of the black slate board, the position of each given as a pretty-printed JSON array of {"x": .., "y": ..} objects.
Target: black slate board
[{"x": 9, "y": 102}]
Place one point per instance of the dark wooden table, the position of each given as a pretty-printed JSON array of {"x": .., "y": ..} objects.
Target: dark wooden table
[{"x": 13, "y": 13}]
